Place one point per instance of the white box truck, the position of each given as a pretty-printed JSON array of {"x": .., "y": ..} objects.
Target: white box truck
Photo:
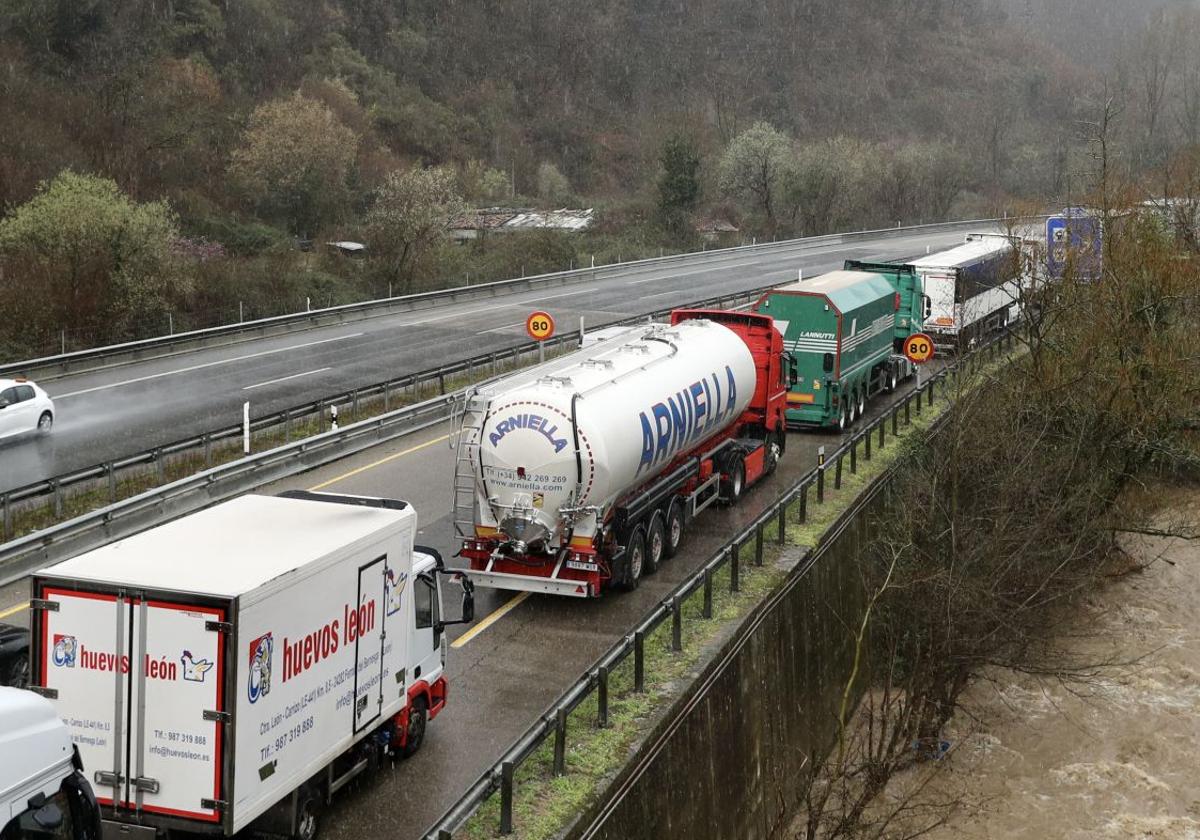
[{"x": 237, "y": 666}]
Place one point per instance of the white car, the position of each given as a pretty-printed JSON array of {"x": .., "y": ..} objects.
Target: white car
[{"x": 24, "y": 407}]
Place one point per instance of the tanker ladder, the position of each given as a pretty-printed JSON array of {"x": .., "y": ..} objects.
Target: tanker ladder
[{"x": 470, "y": 436}]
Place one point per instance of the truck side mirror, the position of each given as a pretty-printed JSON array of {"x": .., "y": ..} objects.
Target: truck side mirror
[{"x": 467, "y": 612}]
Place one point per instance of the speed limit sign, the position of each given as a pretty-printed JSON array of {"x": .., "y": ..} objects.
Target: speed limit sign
[
  {"x": 918, "y": 347},
  {"x": 539, "y": 325}
]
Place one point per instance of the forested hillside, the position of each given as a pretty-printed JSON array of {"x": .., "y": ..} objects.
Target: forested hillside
[{"x": 226, "y": 129}]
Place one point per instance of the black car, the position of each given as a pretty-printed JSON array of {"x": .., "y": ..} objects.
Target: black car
[{"x": 14, "y": 656}]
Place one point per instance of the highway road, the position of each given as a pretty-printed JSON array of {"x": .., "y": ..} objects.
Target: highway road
[
  {"x": 520, "y": 654},
  {"x": 123, "y": 410}
]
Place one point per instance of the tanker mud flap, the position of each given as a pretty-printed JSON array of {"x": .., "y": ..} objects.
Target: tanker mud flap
[{"x": 524, "y": 583}]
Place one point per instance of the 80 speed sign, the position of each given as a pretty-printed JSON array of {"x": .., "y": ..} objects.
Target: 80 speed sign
[{"x": 918, "y": 347}]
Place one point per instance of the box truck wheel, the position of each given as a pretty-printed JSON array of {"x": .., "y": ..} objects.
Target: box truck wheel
[
  {"x": 656, "y": 543},
  {"x": 674, "y": 528},
  {"x": 308, "y": 812},
  {"x": 418, "y": 717},
  {"x": 16, "y": 672},
  {"x": 634, "y": 560}
]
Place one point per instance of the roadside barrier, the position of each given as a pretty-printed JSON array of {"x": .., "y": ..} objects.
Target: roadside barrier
[{"x": 149, "y": 348}]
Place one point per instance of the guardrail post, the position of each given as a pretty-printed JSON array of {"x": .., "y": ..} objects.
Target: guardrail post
[
  {"x": 639, "y": 662},
  {"x": 387, "y": 396},
  {"x": 506, "y": 797},
  {"x": 111, "y": 471},
  {"x": 208, "y": 450},
  {"x": 782, "y": 538},
  {"x": 758, "y": 545},
  {"x": 441, "y": 382},
  {"x": 907, "y": 413},
  {"x": 867, "y": 444},
  {"x": 6, "y": 517},
  {"x": 820, "y": 485},
  {"x": 882, "y": 432},
  {"x": 54, "y": 483},
  {"x": 354, "y": 406},
  {"x": 803, "y": 504},
  {"x": 676, "y": 626},
  {"x": 161, "y": 464},
  {"x": 602, "y": 697},
  {"x": 837, "y": 473},
  {"x": 560, "y": 742},
  {"x": 735, "y": 584},
  {"x": 287, "y": 426},
  {"x": 707, "y": 613},
  {"x": 853, "y": 460},
  {"x": 895, "y": 421},
  {"x": 920, "y": 398}
]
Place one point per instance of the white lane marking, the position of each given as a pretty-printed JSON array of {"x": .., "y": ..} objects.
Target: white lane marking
[
  {"x": 662, "y": 277},
  {"x": 285, "y": 378},
  {"x": 502, "y": 329},
  {"x": 565, "y": 294},
  {"x": 205, "y": 365},
  {"x": 663, "y": 294}
]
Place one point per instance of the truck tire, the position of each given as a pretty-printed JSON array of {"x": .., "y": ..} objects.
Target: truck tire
[
  {"x": 733, "y": 483},
  {"x": 418, "y": 718},
  {"x": 308, "y": 816},
  {"x": 634, "y": 561},
  {"x": 862, "y": 401},
  {"x": 656, "y": 543},
  {"x": 674, "y": 529},
  {"x": 774, "y": 445},
  {"x": 16, "y": 671},
  {"x": 851, "y": 406},
  {"x": 891, "y": 378},
  {"x": 842, "y": 421}
]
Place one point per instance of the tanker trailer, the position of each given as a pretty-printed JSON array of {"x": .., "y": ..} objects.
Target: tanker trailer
[{"x": 585, "y": 472}]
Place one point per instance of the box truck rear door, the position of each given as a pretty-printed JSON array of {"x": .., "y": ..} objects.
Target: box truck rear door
[
  {"x": 176, "y": 708},
  {"x": 138, "y": 683},
  {"x": 364, "y": 625}
]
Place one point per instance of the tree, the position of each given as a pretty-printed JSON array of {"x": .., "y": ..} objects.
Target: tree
[
  {"x": 552, "y": 185},
  {"x": 413, "y": 210},
  {"x": 753, "y": 167},
  {"x": 294, "y": 161},
  {"x": 679, "y": 184},
  {"x": 81, "y": 254}
]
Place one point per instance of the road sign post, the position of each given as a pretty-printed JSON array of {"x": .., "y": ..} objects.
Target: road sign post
[{"x": 540, "y": 326}]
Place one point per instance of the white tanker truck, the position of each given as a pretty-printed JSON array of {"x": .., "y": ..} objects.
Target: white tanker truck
[{"x": 584, "y": 472}]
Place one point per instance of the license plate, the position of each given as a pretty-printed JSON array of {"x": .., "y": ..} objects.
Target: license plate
[{"x": 581, "y": 567}]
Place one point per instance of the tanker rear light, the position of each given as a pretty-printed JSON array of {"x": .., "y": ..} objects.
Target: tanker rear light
[{"x": 476, "y": 545}]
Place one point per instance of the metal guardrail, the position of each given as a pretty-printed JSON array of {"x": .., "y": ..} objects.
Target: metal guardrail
[
  {"x": 553, "y": 723},
  {"x": 134, "y": 351},
  {"x": 119, "y": 519}
]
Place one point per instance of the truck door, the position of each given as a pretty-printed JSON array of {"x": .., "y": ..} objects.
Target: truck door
[
  {"x": 138, "y": 683},
  {"x": 365, "y": 627}
]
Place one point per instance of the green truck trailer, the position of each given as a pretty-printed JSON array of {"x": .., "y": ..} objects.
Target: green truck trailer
[
  {"x": 841, "y": 328},
  {"x": 913, "y": 305}
]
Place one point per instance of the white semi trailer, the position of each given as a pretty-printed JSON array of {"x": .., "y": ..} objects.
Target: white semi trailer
[
  {"x": 971, "y": 289},
  {"x": 234, "y": 668}
]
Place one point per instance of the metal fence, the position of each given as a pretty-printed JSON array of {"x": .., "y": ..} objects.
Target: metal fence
[
  {"x": 149, "y": 348},
  {"x": 116, "y": 518},
  {"x": 746, "y": 546}
]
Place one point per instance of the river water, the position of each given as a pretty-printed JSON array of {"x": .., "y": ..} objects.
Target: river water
[{"x": 1117, "y": 757}]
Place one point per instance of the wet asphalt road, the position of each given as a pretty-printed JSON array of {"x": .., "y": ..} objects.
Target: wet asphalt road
[
  {"x": 507, "y": 675},
  {"x": 128, "y": 409}
]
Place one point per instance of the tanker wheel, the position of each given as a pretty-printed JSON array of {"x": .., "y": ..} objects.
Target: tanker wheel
[
  {"x": 842, "y": 421},
  {"x": 635, "y": 560},
  {"x": 734, "y": 483},
  {"x": 674, "y": 529},
  {"x": 851, "y": 404},
  {"x": 656, "y": 543},
  {"x": 862, "y": 401}
]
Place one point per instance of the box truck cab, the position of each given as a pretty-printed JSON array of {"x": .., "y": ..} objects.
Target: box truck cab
[
  {"x": 43, "y": 792},
  {"x": 237, "y": 666}
]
